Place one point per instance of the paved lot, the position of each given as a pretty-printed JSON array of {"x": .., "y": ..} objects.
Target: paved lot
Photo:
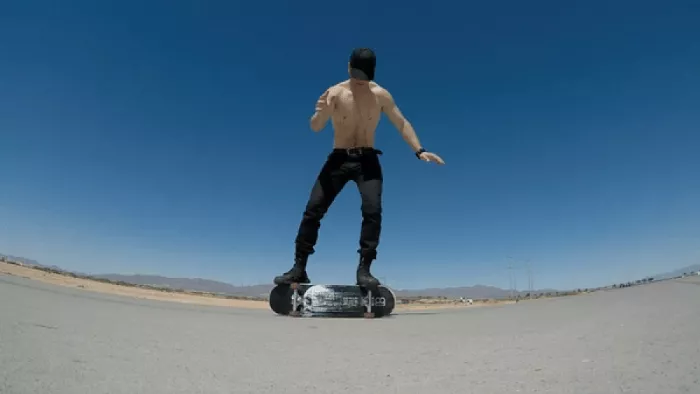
[{"x": 69, "y": 341}]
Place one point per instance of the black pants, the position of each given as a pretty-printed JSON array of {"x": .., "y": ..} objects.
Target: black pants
[{"x": 362, "y": 166}]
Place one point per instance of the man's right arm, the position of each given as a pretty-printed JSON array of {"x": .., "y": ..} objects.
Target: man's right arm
[{"x": 324, "y": 110}]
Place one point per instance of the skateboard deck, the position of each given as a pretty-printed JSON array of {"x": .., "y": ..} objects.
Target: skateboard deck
[{"x": 329, "y": 300}]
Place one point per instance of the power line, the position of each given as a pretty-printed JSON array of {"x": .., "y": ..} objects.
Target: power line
[
  {"x": 513, "y": 267},
  {"x": 530, "y": 280},
  {"x": 511, "y": 278}
]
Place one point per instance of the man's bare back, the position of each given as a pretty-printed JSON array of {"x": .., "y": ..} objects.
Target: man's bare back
[
  {"x": 356, "y": 111},
  {"x": 355, "y": 108}
]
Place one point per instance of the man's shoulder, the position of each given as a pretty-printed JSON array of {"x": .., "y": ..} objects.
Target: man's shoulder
[
  {"x": 381, "y": 92},
  {"x": 379, "y": 89},
  {"x": 340, "y": 86}
]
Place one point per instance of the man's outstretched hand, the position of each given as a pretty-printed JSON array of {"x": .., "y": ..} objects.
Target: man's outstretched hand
[
  {"x": 427, "y": 156},
  {"x": 323, "y": 104}
]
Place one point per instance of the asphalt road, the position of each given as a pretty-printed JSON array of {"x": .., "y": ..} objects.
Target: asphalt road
[{"x": 56, "y": 340}]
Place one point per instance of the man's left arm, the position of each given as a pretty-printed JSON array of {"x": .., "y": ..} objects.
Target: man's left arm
[
  {"x": 405, "y": 128},
  {"x": 399, "y": 121}
]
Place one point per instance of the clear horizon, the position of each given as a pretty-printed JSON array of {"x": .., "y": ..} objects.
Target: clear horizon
[
  {"x": 690, "y": 269},
  {"x": 175, "y": 140}
]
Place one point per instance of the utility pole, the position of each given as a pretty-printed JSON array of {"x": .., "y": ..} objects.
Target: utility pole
[
  {"x": 511, "y": 278},
  {"x": 513, "y": 269},
  {"x": 530, "y": 281}
]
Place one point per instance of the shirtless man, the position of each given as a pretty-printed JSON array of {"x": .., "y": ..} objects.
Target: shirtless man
[{"x": 355, "y": 106}]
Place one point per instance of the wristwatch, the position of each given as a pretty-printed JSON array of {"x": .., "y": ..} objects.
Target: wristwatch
[{"x": 419, "y": 151}]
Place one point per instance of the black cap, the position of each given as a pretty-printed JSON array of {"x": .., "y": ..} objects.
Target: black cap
[{"x": 362, "y": 64}]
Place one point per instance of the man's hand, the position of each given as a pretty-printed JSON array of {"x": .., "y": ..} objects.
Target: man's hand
[
  {"x": 324, "y": 108},
  {"x": 322, "y": 105},
  {"x": 427, "y": 156}
]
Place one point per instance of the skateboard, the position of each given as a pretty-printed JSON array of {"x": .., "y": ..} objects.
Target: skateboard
[{"x": 307, "y": 300}]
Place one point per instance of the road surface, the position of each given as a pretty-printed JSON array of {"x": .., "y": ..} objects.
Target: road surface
[{"x": 61, "y": 340}]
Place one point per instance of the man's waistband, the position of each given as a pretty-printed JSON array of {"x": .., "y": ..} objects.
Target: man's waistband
[{"x": 357, "y": 151}]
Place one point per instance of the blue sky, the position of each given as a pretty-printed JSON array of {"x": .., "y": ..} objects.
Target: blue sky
[{"x": 173, "y": 138}]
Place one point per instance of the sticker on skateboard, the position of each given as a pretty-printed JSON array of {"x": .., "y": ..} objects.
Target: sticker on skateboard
[{"x": 332, "y": 300}]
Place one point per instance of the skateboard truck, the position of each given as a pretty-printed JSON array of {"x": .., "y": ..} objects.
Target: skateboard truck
[
  {"x": 367, "y": 301},
  {"x": 297, "y": 300}
]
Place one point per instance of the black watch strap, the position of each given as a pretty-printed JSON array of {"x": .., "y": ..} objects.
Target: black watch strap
[{"x": 421, "y": 150}]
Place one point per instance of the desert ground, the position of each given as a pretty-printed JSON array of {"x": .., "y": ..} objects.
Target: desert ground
[
  {"x": 65, "y": 340},
  {"x": 197, "y": 299}
]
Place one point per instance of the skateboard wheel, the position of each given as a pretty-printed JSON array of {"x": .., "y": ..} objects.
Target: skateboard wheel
[{"x": 369, "y": 315}]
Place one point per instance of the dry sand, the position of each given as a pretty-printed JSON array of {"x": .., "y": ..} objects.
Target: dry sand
[{"x": 137, "y": 292}]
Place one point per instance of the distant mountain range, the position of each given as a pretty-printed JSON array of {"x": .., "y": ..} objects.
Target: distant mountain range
[
  {"x": 213, "y": 286},
  {"x": 679, "y": 272},
  {"x": 262, "y": 290},
  {"x": 192, "y": 284},
  {"x": 21, "y": 260}
]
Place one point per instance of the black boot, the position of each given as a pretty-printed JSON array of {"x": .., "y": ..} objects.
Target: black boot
[
  {"x": 295, "y": 275},
  {"x": 364, "y": 277}
]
